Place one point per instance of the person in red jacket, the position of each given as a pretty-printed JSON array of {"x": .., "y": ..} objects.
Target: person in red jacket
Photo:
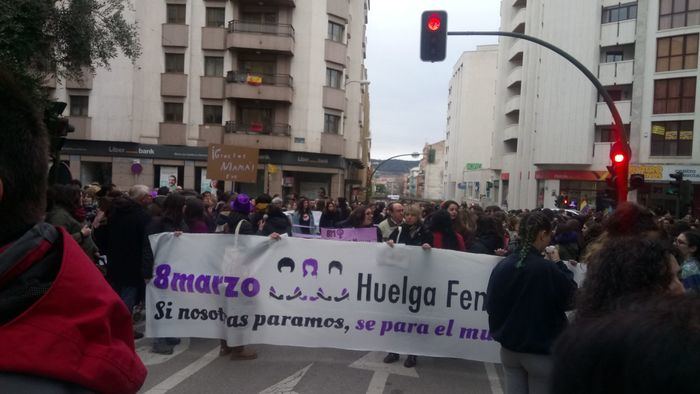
[{"x": 62, "y": 326}]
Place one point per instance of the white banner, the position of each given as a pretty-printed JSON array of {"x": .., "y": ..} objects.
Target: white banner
[{"x": 321, "y": 293}]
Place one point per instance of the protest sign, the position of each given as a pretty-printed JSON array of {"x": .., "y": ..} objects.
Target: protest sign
[
  {"x": 321, "y": 293},
  {"x": 232, "y": 163}
]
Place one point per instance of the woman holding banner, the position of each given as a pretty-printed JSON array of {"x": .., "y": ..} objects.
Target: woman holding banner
[
  {"x": 361, "y": 217},
  {"x": 410, "y": 232}
]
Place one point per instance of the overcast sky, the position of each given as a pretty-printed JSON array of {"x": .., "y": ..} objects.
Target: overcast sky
[{"x": 408, "y": 97}]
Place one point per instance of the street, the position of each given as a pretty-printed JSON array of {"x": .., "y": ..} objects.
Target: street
[{"x": 195, "y": 367}]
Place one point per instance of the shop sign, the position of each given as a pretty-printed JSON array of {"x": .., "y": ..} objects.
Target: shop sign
[
  {"x": 473, "y": 166},
  {"x": 663, "y": 172},
  {"x": 232, "y": 163}
]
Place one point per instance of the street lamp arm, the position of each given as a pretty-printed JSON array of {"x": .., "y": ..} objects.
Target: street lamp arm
[{"x": 389, "y": 159}]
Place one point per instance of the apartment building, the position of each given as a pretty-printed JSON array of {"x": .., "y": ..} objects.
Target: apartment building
[
  {"x": 284, "y": 76},
  {"x": 470, "y": 124},
  {"x": 432, "y": 171},
  {"x": 553, "y": 132}
]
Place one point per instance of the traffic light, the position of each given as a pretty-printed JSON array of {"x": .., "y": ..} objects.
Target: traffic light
[
  {"x": 675, "y": 189},
  {"x": 617, "y": 180},
  {"x": 636, "y": 181},
  {"x": 686, "y": 192},
  {"x": 611, "y": 187},
  {"x": 433, "y": 36}
]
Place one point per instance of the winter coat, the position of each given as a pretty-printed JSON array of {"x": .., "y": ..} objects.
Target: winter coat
[
  {"x": 59, "y": 216},
  {"x": 419, "y": 236},
  {"x": 61, "y": 322},
  {"x": 125, "y": 241}
]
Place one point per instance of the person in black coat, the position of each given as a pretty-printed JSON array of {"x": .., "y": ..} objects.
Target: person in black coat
[
  {"x": 330, "y": 216},
  {"x": 526, "y": 300},
  {"x": 410, "y": 232}
]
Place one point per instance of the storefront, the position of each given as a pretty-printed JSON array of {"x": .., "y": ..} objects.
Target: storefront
[
  {"x": 578, "y": 188},
  {"x": 279, "y": 172}
]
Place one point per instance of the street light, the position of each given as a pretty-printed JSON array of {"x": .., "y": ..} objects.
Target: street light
[
  {"x": 361, "y": 82},
  {"x": 414, "y": 155}
]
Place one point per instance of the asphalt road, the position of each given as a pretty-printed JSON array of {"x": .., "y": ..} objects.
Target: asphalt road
[{"x": 195, "y": 367}]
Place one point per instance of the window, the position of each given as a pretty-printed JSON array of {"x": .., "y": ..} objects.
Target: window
[
  {"x": 613, "y": 56},
  {"x": 216, "y": 17},
  {"x": 677, "y": 53},
  {"x": 678, "y": 13},
  {"x": 675, "y": 95},
  {"x": 256, "y": 119},
  {"x": 333, "y": 78},
  {"x": 672, "y": 138},
  {"x": 176, "y": 13},
  {"x": 335, "y": 31},
  {"x": 619, "y": 13},
  {"x": 212, "y": 114},
  {"x": 79, "y": 105},
  {"x": 331, "y": 124},
  {"x": 174, "y": 63},
  {"x": 213, "y": 66},
  {"x": 605, "y": 134},
  {"x": 172, "y": 112}
]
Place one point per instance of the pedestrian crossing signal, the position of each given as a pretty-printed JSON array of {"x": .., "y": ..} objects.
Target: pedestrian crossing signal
[{"x": 433, "y": 36}]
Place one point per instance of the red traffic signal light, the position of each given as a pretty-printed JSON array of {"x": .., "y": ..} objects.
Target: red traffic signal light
[
  {"x": 619, "y": 153},
  {"x": 433, "y": 36},
  {"x": 434, "y": 22}
]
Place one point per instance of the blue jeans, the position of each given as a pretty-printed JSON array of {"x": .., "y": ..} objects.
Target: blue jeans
[{"x": 128, "y": 294}]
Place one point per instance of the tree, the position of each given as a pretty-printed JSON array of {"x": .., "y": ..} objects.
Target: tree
[{"x": 47, "y": 37}]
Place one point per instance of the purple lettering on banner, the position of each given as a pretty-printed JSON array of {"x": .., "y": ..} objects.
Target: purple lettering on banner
[{"x": 368, "y": 234}]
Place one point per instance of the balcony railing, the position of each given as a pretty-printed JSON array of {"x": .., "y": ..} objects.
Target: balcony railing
[
  {"x": 257, "y": 128},
  {"x": 259, "y": 79},
  {"x": 277, "y": 29}
]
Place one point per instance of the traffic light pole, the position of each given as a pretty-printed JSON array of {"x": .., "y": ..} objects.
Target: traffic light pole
[{"x": 618, "y": 133}]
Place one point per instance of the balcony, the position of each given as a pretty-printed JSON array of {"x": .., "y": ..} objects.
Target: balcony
[
  {"x": 172, "y": 134},
  {"x": 274, "y": 136},
  {"x": 601, "y": 154},
  {"x": 618, "y": 33},
  {"x": 174, "y": 85},
  {"x": 82, "y": 125},
  {"x": 211, "y": 87},
  {"x": 603, "y": 116},
  {"x": 85, "y": 81},
  {"x": 518, "y": 21},
  {"x": 213, "y": 38},
  {"x": 336, "y": 52},
  {"x": 519, "y": 3},
  {"x": 509, "y": 163},
  {"x": 515, "y": 53},
  {"x": 616, "y": 73},
  {"x": 332, "y": 144},
  {"x": 49, "y": 81},
  {"x": 515, "y": 76},
  {"x": 278, "y": 38},
  {"x": 512, "y": 105},
  {"x": 280, "y": 3},
  {"x": 210, "y": 134},
  {"x": 272, "y": 87},
  {"x": 175, "y": 35},
  {"x": 511, "y": 131},
  {"x": 334, "y": 98},
  {"x": 338, "y": 8}
]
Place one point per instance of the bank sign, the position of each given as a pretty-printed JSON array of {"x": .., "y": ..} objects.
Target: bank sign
[{"x": 663, "y": 172}]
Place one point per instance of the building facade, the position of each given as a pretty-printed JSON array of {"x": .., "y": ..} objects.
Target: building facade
[
  {"x": 284, "y": 76},
  {"x": 432, "y": 171},
  {"x": 470, "y": 124}
]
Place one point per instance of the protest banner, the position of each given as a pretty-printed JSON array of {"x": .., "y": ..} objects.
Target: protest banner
[
  {"x": 321, "y": 293},
  {"x": 368, "y": 234}
]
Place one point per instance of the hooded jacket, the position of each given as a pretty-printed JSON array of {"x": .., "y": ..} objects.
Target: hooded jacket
[
  {"x": 60, "y": 320},
  {"x": 126, "y": 238}
]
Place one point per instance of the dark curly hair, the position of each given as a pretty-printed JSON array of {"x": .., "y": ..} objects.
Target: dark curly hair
[
  {"x": 624, "y": 267},
  {"x": 629, "y": 219},
  {"x": 530, "y": 225}
]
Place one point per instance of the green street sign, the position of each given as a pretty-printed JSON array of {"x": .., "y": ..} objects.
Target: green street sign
[{"x": 473, "y": 166}]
